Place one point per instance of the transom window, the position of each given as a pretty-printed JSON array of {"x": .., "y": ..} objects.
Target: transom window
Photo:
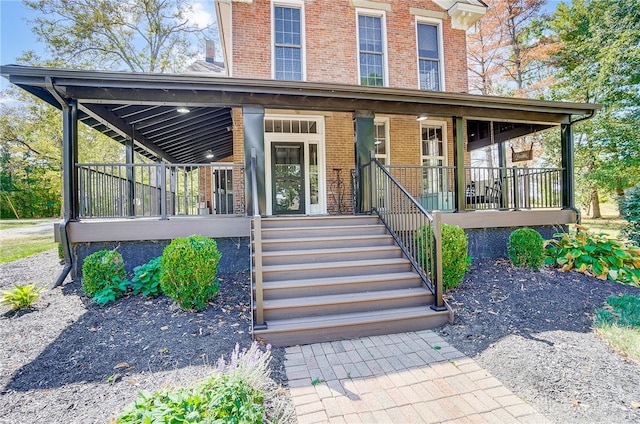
[
  {"x": 371, "y": 49},
  {"x": 429, "y": 56},
  {"x": 290, "y": 126},
  {"x": 287, "y": 43}
]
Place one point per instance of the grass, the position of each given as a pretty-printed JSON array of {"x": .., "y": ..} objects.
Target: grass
[
  {"x": 6, "y": 225},
  {"x": 21, "y": 247},
  {"x": 619, "y": 324},
  {"x": 609, "y": 224}
]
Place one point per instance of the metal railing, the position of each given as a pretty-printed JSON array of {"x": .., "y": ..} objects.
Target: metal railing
[
  {"x": 513, "y": 188},
  {"x": 432, "y": 186},
  {"x": 417, "y": 232},
  {"x": 114, "y": 190},
  {"x": 257, "y": 299}
]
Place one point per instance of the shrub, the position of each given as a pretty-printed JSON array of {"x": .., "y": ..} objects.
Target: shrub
[
  {"x": 596, "y": 255},
  {"x": 455, "y": 260},
  {"x": 240, "y": 392},
  {"x": 526, "y": 248},
  {"x": 189, "y": 269},
  {"x": 20, "y": 297},
  {"x": 146, "y": 278},
  {"x": 104, "y": 276},
  {"x": 630, "y": 211}
]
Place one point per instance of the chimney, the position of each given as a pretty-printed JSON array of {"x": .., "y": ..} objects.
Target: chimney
[{"x": 210, "y": 55}]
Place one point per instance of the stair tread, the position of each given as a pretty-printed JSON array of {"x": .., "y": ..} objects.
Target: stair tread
[
  {"x": 327, "y": 238},
  {"x": 348, "y": 319},
  {"x": 267, "y": 285},
  {"x": 319, "y": 228},
  {"x": 330, "y": 250},
  {"x": 308, "y": 301},
  {"x": 339, "y": 264}
]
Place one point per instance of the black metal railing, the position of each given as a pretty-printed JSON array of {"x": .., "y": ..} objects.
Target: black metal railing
[{"x": 417, "y": 232}]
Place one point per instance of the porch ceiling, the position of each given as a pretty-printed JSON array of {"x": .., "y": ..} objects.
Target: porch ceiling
[{"x": 144, "y": 106}]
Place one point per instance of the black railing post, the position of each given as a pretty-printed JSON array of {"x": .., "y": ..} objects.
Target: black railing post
[
  {"x": 163, "y": 191},
  {"x": 516, "y": 189}
]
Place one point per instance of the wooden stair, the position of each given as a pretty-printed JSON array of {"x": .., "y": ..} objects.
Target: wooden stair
[{"x": 337, "y": 277}]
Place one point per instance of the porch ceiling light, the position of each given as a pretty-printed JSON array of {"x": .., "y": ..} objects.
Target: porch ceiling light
[
  {"x": 422, "y": 117},
  {"x": 209, "y": 154},
  {"x": 182, "y": 109}
]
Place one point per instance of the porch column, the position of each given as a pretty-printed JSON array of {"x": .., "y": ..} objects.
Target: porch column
[
  {"x": 566, "y": 154},
  {"x": 69, "y": 160},
  {"x": 364, "y": 144},
  {"x": 503, "y": 173},
  {"x": 131, "y": 183},
  {"x": 253, "y": 125},
  {"x": 458, "y": 163}
]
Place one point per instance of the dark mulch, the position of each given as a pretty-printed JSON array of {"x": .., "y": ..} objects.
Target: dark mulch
[{"x": 533, "y": 331}]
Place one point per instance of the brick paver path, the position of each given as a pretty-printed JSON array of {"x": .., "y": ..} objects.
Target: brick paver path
[{"x": 414, "y": 377}]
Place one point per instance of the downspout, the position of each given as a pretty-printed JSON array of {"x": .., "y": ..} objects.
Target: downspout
[
  {"x": 584, "y": 118},
  {"x": 64, "y": 235}
]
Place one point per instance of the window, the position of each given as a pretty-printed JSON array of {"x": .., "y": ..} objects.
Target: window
[
  {"x": 434, "y": 156},
  {"x": 287, "y": 40},
  {"x": 371, "y": 49},
  {"x": 381, "y": 140},
  {"x": 429, "y": 62}
]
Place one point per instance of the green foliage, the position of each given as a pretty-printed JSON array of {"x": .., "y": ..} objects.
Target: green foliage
[
  {"x": 630, "y": 211},
  {"x": 622, "y": 310},
  {"x": 455, "y": 260},
  {"x": 189, "y": 271},
  {"x": 104, "y": 276},
  {"x": 239, "y": 392},
  {"x": 21, "y": 296},
  {"x": 526, "y": 248},
  {"x": 596, "y": 255},
  {"x": 146, "y": 278}
]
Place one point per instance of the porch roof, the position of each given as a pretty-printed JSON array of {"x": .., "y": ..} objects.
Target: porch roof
[{"x": 144, "y": 105}]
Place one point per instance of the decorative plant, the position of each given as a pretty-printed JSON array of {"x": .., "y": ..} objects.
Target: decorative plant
[
  {"x": 104, "y": 276},
  {"x": 526, "y": 248},
  {"x": 455, "y": 260},
  {"x": 189, "y": 271},
  {"x": 21, "y": 296},
  {"x": 630, "y": 211},
  {"x": 146, "y": 278},
  {"x": 596, "y": 255}
]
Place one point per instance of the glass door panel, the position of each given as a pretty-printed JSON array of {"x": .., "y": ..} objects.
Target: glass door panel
[{"x": 288, "y": 178}]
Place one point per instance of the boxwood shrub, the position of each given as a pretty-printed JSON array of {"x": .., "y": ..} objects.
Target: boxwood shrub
[
  {"x": 189, "y": 271},
  {"x": 104, "y": 276},
  {"x": 526, "y": 248},
  {"x": 455, "y": 260}
]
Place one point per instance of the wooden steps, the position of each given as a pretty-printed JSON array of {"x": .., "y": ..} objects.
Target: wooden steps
[{"x": 337, "y": 277}]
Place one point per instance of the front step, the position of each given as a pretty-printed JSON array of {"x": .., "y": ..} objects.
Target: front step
[
  {"x": 288, "y": 332},
  {"x": 331, "y": 278}
]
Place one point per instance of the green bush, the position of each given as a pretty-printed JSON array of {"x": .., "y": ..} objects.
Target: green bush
[
  {"x": 146, "y": 278},
  {"x": 104, "y": 276},
  {"x": 20, "y": 297},
  {"x": 189, "y": 270},
  {"x": 526, "y": 248},
  {"x": 630, "y": 211},
  {"x": 455, "y": 260},
  {"x": 596, "y": 255}
]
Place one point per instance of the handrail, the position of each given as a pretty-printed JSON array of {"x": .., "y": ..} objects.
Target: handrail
[
  {"x": 257, "y": 298},
  {"x": 417, "y": 232}
]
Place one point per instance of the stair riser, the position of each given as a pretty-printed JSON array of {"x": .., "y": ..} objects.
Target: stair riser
[
  {"x": 357, "y": 305},
  {"x": 315, "y": 335},
  {"x": 334, "y": 272},
  {"x": 310, "y": 258},
  {"x": 357, "y": 287},
  {"x": 363, "y": 230},
  {"x": 275, "y": 246},
  {"x": 333, "y": 221}
]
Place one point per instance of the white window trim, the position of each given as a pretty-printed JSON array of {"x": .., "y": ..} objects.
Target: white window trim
[
  {"x": 385, "y": 59},
  {"x": 303, "y": 38},
  {"x": 385, "y": 121},
  {"x": 438, "y": 24},
  {"x": 445, "y": 141}
]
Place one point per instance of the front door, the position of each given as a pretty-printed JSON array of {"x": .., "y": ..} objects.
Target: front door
[{"x": 288, "y": 183}]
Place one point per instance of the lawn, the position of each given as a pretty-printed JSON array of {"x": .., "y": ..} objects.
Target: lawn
[
  {"x": 610, "y": 223},
  {"x": 619, "y": 324},
  {"x": 6, "y": 225},
  {"x": 23, "y": 246}
]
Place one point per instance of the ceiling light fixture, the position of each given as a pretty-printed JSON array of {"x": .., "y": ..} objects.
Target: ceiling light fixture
[
  {"x": 210, "y": 154},
  {"x": 422, "y": 117},
  {"x": 182, "y": 109}
]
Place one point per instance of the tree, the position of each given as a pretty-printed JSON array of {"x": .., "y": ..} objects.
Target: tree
[
  {"x": 598, "y": 62},
  {"x": 133, "y": 35}
]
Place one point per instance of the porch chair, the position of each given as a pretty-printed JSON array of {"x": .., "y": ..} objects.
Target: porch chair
[{"x": 492, "y": 196}]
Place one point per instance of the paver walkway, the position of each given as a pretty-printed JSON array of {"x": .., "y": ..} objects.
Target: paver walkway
[{"x": 414, "y": 377}]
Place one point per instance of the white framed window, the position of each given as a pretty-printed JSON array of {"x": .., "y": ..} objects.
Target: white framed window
[
  {"x": 288, "y": 53},
  {"x": 430, "y": 54},
  {"x": 381, "y": 140},
  {"x": 372, "y": 47},
  {"x": 433, "y": 141}
]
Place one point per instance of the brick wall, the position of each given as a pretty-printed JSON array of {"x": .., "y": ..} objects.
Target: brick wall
[
  {"x": 331, "y": 46},
  {"x": 340, "y": 154}
]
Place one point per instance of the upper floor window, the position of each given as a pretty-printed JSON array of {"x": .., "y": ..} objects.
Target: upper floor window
[
  {"x": 429, "y": 56},
  {"x": 287, "y": 42},
  {"x": 371, "y": 49}
]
